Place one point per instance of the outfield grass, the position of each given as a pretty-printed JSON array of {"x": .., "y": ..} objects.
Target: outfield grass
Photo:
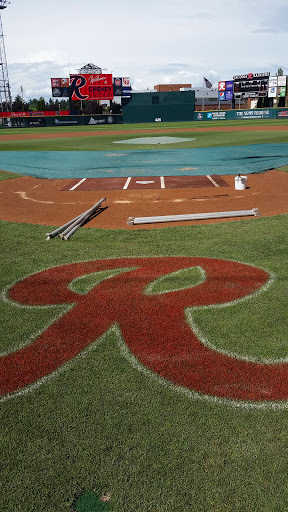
[
  {"x": 100, "y": 423},
  {"x": 105, "y": 140}
]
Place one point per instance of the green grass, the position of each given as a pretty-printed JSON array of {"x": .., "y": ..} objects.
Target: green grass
[
  {"x": 105, "y": 140},
  {"x": 101, "y": 424},
  {"x": 8, "y": 175}
]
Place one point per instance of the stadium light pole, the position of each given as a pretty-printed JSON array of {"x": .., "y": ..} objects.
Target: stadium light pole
[{"x": 5, "y": 93}]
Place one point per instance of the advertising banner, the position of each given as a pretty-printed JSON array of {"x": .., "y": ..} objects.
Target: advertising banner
[
  {"x": 272, "y": 92},
  {"x": 253, "y": 114},
  {"x": 281, "y": 92},
  {"x": 216, "y": 116},
  {"x": 225, "y": 90},
  {"x": 91, "y": 87},
  {"x": 121, "y": 86},
  {"x": 126, "y": 81},
  {"x": 283, "y": 113},
  {"x": 117, "y": 86},
  {"x": 60, "y": 87},
  {"x": 282, "y": 80},
  {"x": 126, "y": 91},
  {"x": 273, "y": 81}
]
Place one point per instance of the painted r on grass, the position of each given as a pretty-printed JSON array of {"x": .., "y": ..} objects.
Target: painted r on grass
[{"x": 153, "y": 325}]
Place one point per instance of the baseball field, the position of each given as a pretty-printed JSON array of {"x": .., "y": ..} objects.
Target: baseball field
[{"x": 144, "y": 367}]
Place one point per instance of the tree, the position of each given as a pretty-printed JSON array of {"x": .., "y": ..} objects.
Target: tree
[
  {"x": 18, "y": 104},
  {"x": 280, "y": 72}
]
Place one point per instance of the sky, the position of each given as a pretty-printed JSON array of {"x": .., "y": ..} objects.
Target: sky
[{"x": 152, "y": 41}]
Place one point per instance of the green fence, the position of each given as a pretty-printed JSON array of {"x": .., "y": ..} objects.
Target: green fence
[{"x": 156, "y": 106}]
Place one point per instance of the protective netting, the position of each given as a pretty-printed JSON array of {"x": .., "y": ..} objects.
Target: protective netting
[{"x": 161, "y": 162}]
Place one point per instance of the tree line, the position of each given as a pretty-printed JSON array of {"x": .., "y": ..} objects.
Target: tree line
[{"x": 55, "y": 104}]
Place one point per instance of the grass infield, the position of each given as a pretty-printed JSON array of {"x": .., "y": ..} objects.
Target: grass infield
[{"x": 101, "y": 424}]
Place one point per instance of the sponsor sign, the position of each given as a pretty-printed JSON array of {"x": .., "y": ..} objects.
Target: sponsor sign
[
  {"x": 117, "y": 87},
  {"x": 36, "y": 122},
  {"x": 273, "y": 81},
  {"x": 251, "y": 76},
  {"x": 216, "y": 116},
  {"x": 283, "y": 113},
  {"x": 253, "y": 114},
  {"x": 281, "y": 92},
  {"x": 225, "y": 90},
  {"x": 272, "y": 92},
  {"x": 65, "y": 122},
  {"x": 126, "y": 81},
  {"x": 121, "y": 86},
  {"x": 282, "y": 81},
  {"x": 60, "y": 87},
  {"x": 126, "y": 91},
  {"x": 91, "y": 87},
  {"x": 229, "y": 85},
  {"x": 101, "y": 120}
]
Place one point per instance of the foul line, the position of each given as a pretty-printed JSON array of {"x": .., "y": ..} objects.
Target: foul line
[
  {"x": 212, "y": 181},
  {"x": 127, "y": 183},
  {"x": 77, "y": 184},
  {"x": 162, "y": 181}
]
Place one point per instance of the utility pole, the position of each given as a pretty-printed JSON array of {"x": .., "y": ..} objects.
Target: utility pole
[{"x": 5, "y": 92}]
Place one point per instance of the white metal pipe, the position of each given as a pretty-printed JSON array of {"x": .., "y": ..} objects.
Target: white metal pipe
[
  {"x": 58, "y": 230},
  {"x": 194, "y": 216},
  {"x": 65, "y": 235}
]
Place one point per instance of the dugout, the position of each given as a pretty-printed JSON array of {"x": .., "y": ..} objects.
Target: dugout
[{"x": 147, "y": 107}]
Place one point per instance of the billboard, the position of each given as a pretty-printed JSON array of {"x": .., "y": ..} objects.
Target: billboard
[
  {"x": 225, "y": 90},
  {"x": 252, "y": 85},
  {"x": 277, "y": 86},
  {"x": 121, "y": 86},
  {"x": 60, "y": 87},
  {"x": 91, "y": 86}
]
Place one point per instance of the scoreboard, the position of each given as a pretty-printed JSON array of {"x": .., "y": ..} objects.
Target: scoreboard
[{"x": 252, "y": 85}]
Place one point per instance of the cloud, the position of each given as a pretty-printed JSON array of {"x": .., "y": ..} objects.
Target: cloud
[{"x": 275, "y": 22}]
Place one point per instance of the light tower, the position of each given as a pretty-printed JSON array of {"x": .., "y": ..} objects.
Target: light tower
[{"x": 5, "y": 93}]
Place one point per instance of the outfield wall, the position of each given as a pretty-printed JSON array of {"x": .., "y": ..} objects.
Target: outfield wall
[
  {"x": 156, "y": 106},
  {"x": 44, "y": 121},
  {"x": 234, "y": 115}
]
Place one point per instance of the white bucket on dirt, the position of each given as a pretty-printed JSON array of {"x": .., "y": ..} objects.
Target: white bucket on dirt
[{"x": 240, "y": 182}]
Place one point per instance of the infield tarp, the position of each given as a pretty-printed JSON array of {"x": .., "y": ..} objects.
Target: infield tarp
[{"x": 161, "y": 162}]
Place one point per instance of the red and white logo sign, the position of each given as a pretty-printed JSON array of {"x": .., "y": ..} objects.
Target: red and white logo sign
[
  {"x": 126, "y": 81},
  {"x": 221, "y": 86}
]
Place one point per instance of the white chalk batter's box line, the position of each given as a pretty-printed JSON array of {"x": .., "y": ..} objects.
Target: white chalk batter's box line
[{"x": 142, "y": 182}]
